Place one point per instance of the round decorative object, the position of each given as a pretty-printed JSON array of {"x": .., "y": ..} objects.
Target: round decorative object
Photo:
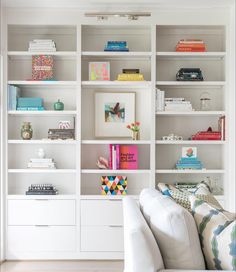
[
  {"x": 58, "y": 106},
  {"x": 41, "y": 153},
  {"x": 205, "y": 101},
  {"x": 26, "y": 131}
]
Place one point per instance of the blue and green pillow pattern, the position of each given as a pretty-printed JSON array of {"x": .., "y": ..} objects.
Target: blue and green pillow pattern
[{"x": 217, "y": 232}]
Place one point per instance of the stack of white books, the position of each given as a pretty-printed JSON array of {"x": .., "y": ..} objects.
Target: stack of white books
[
  {"x": 177, "y": 104},
  {"x": 42, "y": 45},
  {"x": 44, "y": 163},
  {"x": 160, "y": 100}
]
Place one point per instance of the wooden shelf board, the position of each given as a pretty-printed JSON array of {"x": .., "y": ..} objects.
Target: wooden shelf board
[
  {"x": 51, "y": 142},
  {"x": 52, "y": 171},
  {"x": 203, "y": 171},
  {"x": 106, "y": 197},
  {"x": 43, "y": 113},
  {"x": 42, "y": 83},
  {"x": 190, "y": 113},
  {"x": 190, "y": 83},
  {"x": 116, "y": 83},
  {"x": 140, "y": 142},
  {"x": 28, "y": 55},
  {"x": 190, "y": 55},
  {"x": 189, "y": 142},
  {"x": 40, "y": 197},
  {"x": 119, "y": 55},
  {"x": 118, "y": 171}
]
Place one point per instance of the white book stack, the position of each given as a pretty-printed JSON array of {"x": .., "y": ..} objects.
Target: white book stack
[
  {"x": 160, "y": 100},
  {"x": 45, "y": 163},
  {"x": 42, "y": 45},
  {"x": 177, "y": 104}
]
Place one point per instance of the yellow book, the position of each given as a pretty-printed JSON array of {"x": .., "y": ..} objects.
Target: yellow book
[{"x": 130, "y": 77}]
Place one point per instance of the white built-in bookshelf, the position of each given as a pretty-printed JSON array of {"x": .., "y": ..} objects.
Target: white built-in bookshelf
[{"x": 77, "y": 177}]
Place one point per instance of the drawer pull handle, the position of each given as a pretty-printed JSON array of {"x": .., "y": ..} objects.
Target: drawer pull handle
[
  {"x": 43, "y": 226},
  {"x": 116, "y": 226},
  {"x": 42, "y": 199}
]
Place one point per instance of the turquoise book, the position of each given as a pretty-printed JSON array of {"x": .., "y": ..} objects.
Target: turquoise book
[{"x": 14, "y": 93}]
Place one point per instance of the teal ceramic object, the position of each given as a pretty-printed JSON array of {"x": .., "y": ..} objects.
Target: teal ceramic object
[{"x": 58, "y": 105}]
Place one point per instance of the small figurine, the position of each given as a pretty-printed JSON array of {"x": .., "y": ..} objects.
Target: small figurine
[
  {"x": 41, "y": 153},
  {"x": 172, "y": 137}
]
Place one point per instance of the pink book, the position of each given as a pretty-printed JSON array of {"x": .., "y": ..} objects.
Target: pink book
[
  {"x": 110, "y": 155},
  {"x": 128, "y": 157},
  {"x": 117, "y": 156}
]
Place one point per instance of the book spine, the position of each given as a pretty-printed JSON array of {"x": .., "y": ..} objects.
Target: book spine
[
  {"x": 117, "y": 156},
  {"x": 110, "y": 155},
  {"x": 113, "y": 157}
]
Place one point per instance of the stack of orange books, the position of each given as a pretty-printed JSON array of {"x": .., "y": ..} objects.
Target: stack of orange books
[{"x": 191, "y": 45}]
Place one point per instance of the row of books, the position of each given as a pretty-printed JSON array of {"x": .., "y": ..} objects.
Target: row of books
[
  {"x": 191, "y": 45},
  {"x": 44, "y": 163},
  {"x": 123, "y": 157},
  {"x": 16, "y": 102},
  {"x": 172, "y": 103},
  {"x": 42, "y": 45}
]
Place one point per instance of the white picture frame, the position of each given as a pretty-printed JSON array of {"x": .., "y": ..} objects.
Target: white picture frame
[{"x": 113, "y": 112}]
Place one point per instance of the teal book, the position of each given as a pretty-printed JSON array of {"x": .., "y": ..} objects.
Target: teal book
[
  {"x": 14, "y": 93},
  {"x": 30, "y": 108},
  {"x": 29, "y": 102}
]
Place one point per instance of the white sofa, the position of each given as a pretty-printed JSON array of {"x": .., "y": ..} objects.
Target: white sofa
[{"x": 160, "y": 235}]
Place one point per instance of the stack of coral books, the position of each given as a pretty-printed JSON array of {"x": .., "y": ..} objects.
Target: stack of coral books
[{"x": 191, "y": 45}]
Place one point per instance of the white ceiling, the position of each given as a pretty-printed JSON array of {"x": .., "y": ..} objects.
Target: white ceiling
[{"x": 122, "y": 4}]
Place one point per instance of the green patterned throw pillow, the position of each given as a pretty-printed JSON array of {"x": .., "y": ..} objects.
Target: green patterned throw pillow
[
  {"x": 217, "y": 231},
  {"x": 182, "y": 198}
]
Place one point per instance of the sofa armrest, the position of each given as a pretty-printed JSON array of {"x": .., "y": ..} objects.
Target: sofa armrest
[{"x": 141, "y": 250}]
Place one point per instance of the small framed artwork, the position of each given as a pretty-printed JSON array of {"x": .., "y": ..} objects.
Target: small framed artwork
[
  {"x": 189, "y": 152},
  {"x": 99, "y": 71},
  {"x": 113, "y": 112}
]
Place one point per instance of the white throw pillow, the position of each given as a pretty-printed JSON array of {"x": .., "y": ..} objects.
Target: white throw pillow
[
  {"x": 142, "y": 253},
  {"x": 175, "y": 231},
  {"x": 217, "y": 231}
]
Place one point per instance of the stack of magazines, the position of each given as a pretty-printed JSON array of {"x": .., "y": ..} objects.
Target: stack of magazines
[
  {"x": 41, "y": 189},
  {"x": 44, "y": 163},
  {"x": 189, "y": 163},
  {"x": 42, "y": 45},
  {"x": 177, "y": 104}
]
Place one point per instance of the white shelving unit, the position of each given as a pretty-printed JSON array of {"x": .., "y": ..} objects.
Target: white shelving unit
[{"x": 87, "y": 222}]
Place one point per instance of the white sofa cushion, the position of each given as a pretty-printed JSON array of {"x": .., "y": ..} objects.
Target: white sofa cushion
[
  {"x": 141, "y": 250},
  {"x": 174, "y": 229},
  {"x": 217, "y": 231}
]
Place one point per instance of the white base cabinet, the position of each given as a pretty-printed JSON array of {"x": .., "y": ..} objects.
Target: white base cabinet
[{"x": 28, "y": 239}]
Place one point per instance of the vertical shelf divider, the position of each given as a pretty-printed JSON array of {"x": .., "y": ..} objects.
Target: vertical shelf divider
[{"x": 153, "y": 108}]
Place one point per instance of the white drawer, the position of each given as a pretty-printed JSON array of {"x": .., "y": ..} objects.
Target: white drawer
[
  {"x": 41, "y": 238},
  {"x": 100, "y": 238},
  {"x": 41, "y": 212},
  {"x": 101, "y": 212}
]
